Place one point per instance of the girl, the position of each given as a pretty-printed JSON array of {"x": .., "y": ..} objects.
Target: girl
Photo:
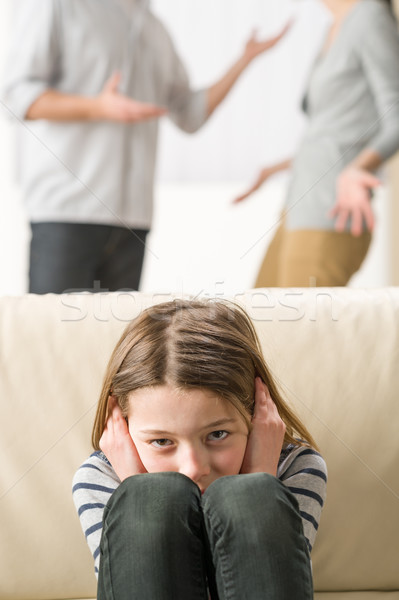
[
  {"x": 352, "y": 103},
  {"x": 203, "y": 480}
]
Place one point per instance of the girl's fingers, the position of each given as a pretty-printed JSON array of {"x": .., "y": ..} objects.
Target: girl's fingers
[
  {"x": 111, "y": 405},
  {"x": 267, "y": 435},
  {"x": 258, "y": 394},
  {"x": 262, "y": 397},
  {"x": 264, "y": 405},
  {"x": 110, "y": 417},
  {"x": 116, "y": 412},
  {"x": 115, "y": 423}
]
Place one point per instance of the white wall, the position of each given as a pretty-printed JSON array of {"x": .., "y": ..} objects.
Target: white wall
[{"x": 200, "y": 242}]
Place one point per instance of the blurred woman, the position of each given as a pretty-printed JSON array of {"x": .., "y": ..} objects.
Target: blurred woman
[{"x": 352, "y": 102}]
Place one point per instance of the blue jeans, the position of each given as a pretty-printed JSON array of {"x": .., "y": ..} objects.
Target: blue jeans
[
  {"x": 242, "y": 540},
  {"x": 79, "y": 256}
]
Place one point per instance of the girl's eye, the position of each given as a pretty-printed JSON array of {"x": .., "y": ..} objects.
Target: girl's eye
[
  {"x": 221, "y": 434},
  {"x": 162, "y": 443}
]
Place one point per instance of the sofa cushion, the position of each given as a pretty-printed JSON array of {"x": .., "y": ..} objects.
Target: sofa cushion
[{"x": 335, "y": 355}]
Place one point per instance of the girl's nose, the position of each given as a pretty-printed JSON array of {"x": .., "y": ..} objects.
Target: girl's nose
[{"x": 194, "y": 464}]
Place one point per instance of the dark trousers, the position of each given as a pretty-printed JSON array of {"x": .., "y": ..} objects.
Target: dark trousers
[
  {"x": 243, "y": 540},
  {"x": 75, "y": 256}
]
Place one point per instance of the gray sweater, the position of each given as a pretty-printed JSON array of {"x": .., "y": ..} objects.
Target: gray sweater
[
  {"x": 93, "y": 172},
  {"x": 352, "y": 103},
  {"x": 301, "y": 469}
]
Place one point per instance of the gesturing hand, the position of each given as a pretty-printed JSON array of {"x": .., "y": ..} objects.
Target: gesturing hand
[
  {"x": 254, "y": 47},
  {"x": 267, "y": 436},
  {"x": 114, "y": 106},
  {"x": 117, "y": 444},
  {"x": 353, "y": 200},
  {"x": 262, "y": 177}
]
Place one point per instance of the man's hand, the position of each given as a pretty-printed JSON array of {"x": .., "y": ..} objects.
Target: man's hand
[
  {"x": 255, "y": 47},
  {"x": 117, "y": 444},
  {"x": 218, "y": 91},
  {"x": 110, "y": 105},
  {"x": 267, "y": 436},
  {"x": 353, "y": 200}
]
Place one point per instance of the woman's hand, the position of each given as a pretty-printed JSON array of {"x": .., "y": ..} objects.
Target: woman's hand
[
  {"x": 267, "y": 436},
  {"x": 262, "y": 177},
  {"x": 117, "y": 444},
  {"x": 353, "y": 200}
]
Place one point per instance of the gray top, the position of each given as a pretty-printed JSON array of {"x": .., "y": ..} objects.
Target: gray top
[
  {"x": 352, "y": 103},
  {"x": 300, "y": 468},
  {"x": 93, "y": 172}
]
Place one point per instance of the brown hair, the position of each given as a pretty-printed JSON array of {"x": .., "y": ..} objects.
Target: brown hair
[{"x": 211, "y": 345}]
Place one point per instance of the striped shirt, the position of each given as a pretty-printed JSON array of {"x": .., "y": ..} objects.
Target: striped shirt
[{"x": 301, "y": 469}]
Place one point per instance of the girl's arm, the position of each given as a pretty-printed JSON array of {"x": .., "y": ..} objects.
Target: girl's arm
[
  {"x": 304, "y": 472},
  {"x": 97, "y": 479},
  {"x": 93, "y": 484},
  {"x": 300, "y": 468}
]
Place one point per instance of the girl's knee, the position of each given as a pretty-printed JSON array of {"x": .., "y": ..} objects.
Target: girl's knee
[
  {"x": 156, "y": 491},
  {"x": 150, "y": 515},
  {"x": 256, "y": 497},
  {"x": 158, "y": 501},
  {"x": 245, "y": 489}
]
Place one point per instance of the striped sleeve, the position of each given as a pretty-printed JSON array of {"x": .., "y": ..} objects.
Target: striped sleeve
[
  {"x": 304, "y": 472},
  {"x": 93, "y": 484}
]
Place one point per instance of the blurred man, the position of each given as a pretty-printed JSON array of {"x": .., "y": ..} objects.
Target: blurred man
[{"x": 94, "y": 78}]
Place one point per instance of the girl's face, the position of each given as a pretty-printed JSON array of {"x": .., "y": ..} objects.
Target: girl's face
[{"x": 193, "y": 432}]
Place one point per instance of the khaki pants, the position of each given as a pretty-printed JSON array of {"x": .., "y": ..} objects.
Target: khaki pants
[{"x": 307, "y": 258}]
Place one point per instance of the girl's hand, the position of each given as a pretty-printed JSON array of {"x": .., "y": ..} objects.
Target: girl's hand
[
  {"x": 267, "y": 436},
  {"x": 117, "y": 444},
  {"x": 353, "y": 200}
]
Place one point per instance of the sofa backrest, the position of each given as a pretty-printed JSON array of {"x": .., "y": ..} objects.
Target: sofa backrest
[{"x": 335, "y": 355}]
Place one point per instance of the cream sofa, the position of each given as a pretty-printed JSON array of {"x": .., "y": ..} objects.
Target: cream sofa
[{"x": 335, "y": 354}]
